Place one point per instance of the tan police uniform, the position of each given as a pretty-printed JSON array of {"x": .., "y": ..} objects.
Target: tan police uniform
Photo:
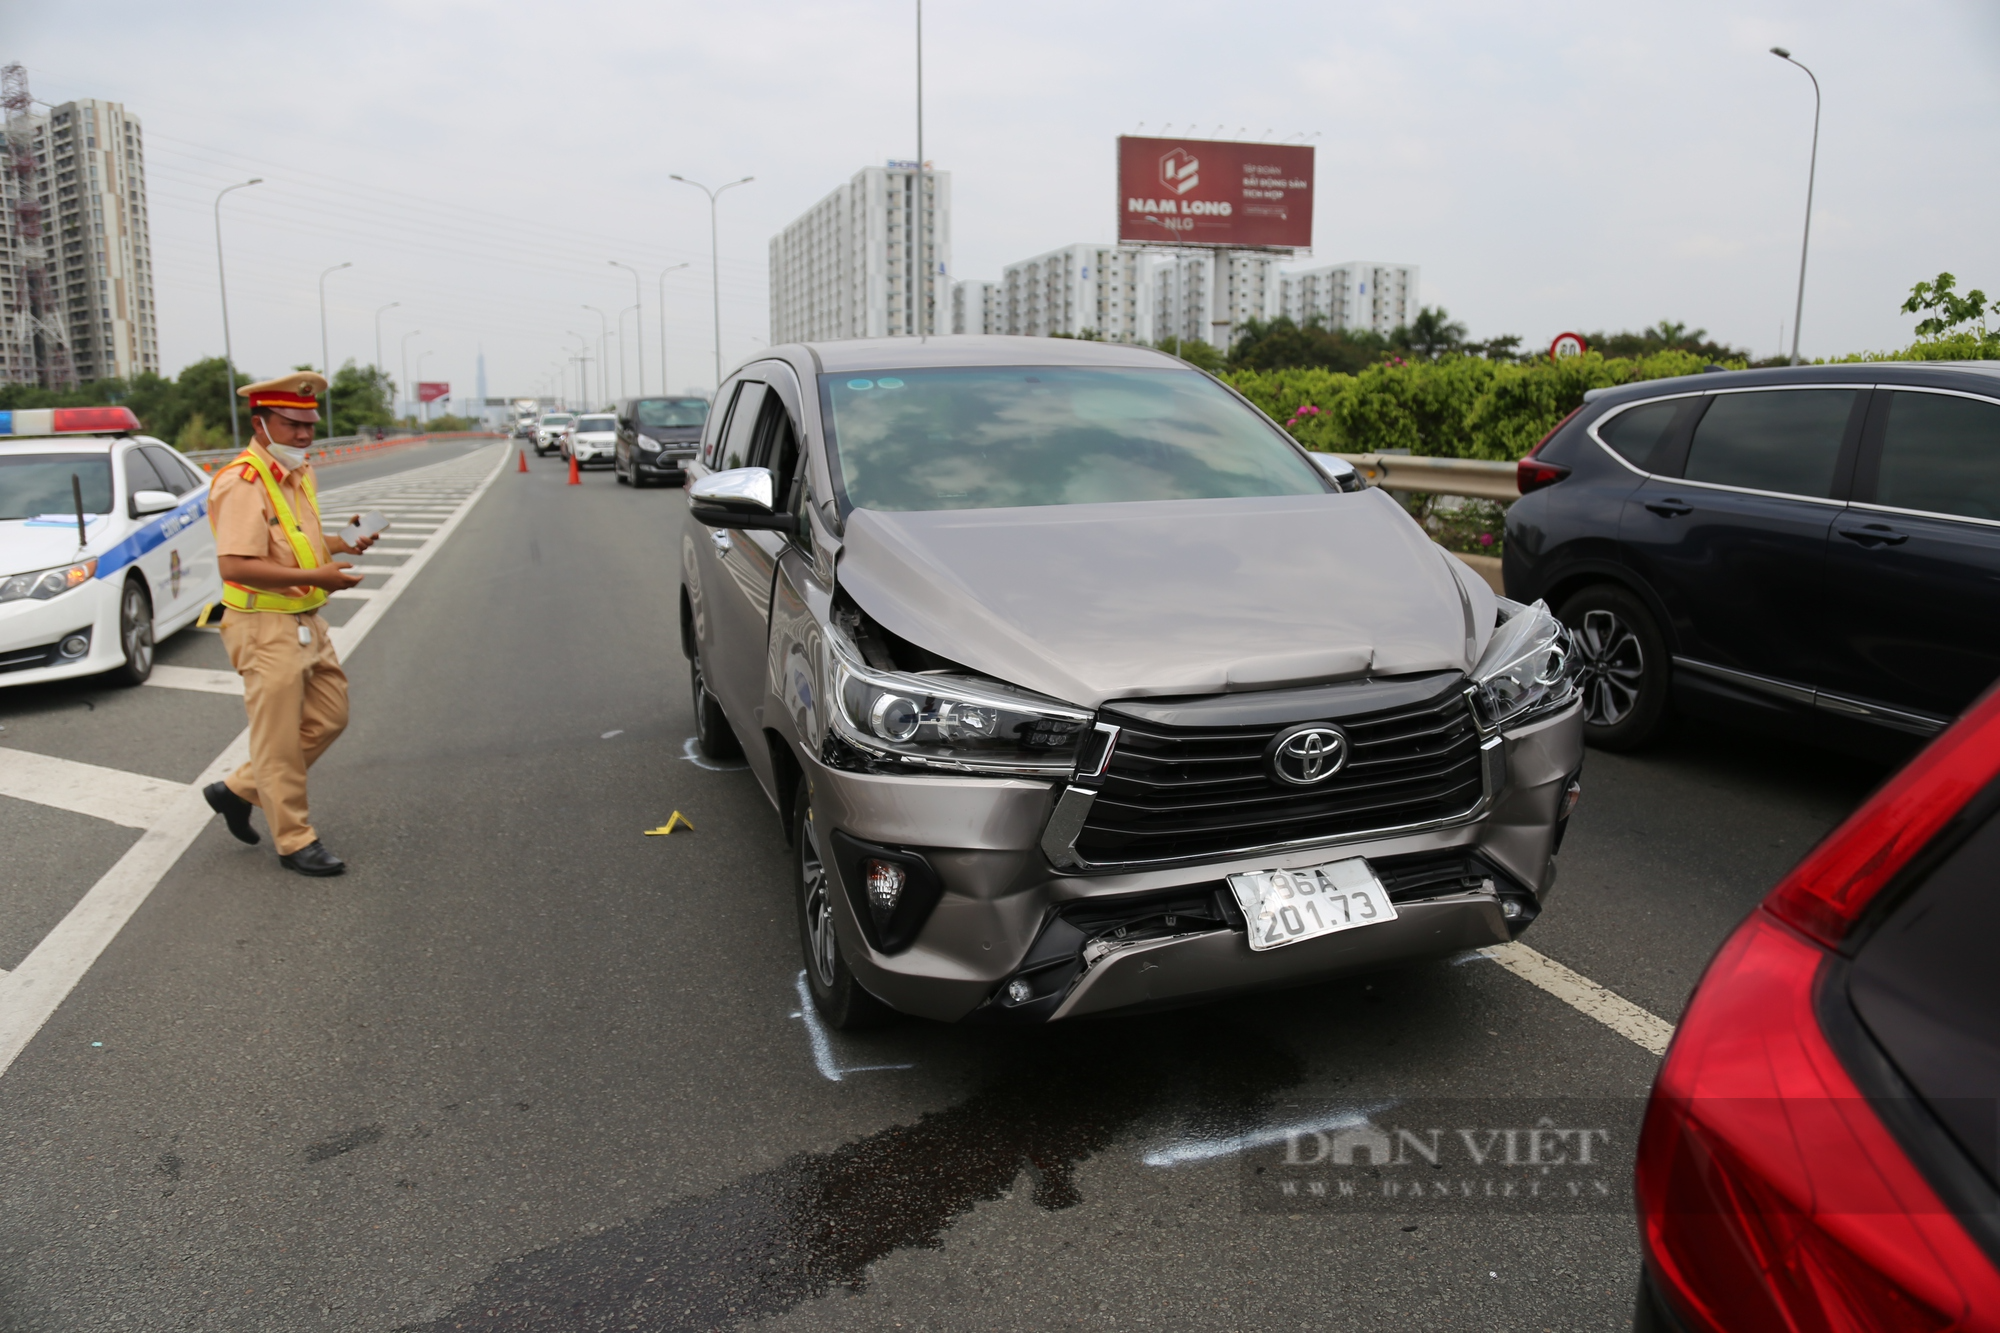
[{"x": 293, "y": 687}]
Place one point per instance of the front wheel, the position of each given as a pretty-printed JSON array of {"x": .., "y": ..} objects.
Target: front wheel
[
  {"x": 135, "y": 634},
  {"x": 712, "y": 732},
  {"x": 839, "y": 998},
  {"x": 1622, "y": 666}
]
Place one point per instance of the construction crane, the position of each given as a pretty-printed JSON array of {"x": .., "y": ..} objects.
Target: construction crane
[{"x": 33, "y": 336}]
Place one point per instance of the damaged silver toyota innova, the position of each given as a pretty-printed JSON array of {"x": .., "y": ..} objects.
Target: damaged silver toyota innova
[{"x": 1081, "y": 687}]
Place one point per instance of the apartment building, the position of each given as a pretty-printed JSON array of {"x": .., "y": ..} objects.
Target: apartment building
[
  {"x": 1079, "y": 289},
  {"x": 1355, "y": 295},
  {"x": 88, "y": 179},
  {"x": 975, "y": 306},
  {"x": 854, "y": 265},
  {"x": 1208, "y": 294}
]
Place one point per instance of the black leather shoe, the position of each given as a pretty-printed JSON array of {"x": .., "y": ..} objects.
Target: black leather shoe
[
  {"x": 314, "y": 859},
  {"x": 235, "y": 811}
]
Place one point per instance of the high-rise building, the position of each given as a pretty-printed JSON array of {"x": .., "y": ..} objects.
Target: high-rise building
[
  {"x": 1098, "y": 290},
  {"x": 87, "y": 181},
  {"x": 854, "y": 265},
  {"x": 1208, "y": 294},
  {"x": 1355, "y": 295},
  {"x": 975, "y": 306}
]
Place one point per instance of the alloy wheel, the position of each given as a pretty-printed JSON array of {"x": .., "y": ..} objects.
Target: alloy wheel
[
  {"x": 1611, "y": 667},
  {"x": 821, "y": 945},
  {"x": 135, "y": 630}
]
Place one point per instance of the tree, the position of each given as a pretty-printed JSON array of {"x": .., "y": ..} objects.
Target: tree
[
  {"x": 1284, "y": 344},
  {"x": 197, "y": 436},
  {"x": 1949, "y": 310},
  {"x": 1666, "y": 336},
  {"x": 1432, "y": 334},
  {"x": 1200, "y": 355},
  {"x": 361, "y": 398},
  {"x": 203, "y": 386}
]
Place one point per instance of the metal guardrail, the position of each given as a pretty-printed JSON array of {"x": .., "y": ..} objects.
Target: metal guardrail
[
  {"x": 1475, "y": 478},
  {"x": 342, "y": 447}
]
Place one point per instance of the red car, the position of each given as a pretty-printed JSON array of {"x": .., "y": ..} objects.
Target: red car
[{"x": 1820, "y": 1148}]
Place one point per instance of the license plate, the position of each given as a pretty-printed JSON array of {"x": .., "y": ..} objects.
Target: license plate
[{"x": 1286, "y": 906}]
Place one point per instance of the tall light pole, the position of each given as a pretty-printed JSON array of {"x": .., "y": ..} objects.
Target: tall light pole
[
  {"x": 422, "y": 407},
  {"x": 919, "y": 214},
  {"x": 1812, "y": 171},
  {"x": 325, "y": 360},
  {"x": 378, "y": 334},
  {"x": 714, "y": 261},
  {"x": 638, "y": 332},
  {"x": 222, "y": 285},
  {"x": 664, "y": 386},
  {"x": 603, "y": 352},
  {"x": 405, "y": 386},
  {"x": 582, "y": 367}
]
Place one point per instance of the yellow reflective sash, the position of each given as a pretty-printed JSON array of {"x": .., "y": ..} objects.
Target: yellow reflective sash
[{"x": 260, "y": 599}]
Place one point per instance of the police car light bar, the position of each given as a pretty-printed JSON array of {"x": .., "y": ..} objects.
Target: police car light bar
[{"x": 68, "y": 421}]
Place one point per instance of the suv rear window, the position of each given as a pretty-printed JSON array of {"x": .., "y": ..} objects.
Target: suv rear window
[
  {"x": 1942, "y": 454},
  {"x": 997, "y": 437},
  {"x": 1637, "y": 431},
  {"x": 1784, "y": 440}
]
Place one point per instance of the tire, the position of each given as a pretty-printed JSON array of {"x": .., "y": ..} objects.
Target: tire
[
  {"x": 1623, "y": 666},
  {"x": 841, "y": 1001},
  {"x": 135, "y": 634},
  {"x": 712, "y": 732},
  {"x": 619, "y": 472}
]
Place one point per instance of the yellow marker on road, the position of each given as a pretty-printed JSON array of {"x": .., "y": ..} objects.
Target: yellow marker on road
[{"x": 668, "y": 827}]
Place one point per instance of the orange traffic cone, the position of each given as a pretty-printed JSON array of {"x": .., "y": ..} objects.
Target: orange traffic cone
[
  {"x": 574, "y": 479},
  {"x": 524, "y": 460}
]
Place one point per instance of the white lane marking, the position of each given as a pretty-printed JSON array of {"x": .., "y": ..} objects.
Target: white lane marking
[
  {"x": 33, "y": 990},
  {"x": 131, "y": 799},
  {"x": 609, "y": 734},
  {"x": 692, "y": 753},
  {"x": 822, "y": 1040},
  {"x": 1202, "y": 1148},
  {"x": 356, "y": 594},
  {"x": 1579, "y": 992},
  {"x": 196, "y": 678}
]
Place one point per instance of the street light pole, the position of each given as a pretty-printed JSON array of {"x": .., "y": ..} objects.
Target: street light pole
[
  {"x": 406, "y": 358},
  {"x": 917, "y": 214},
  {"x": 639, "y": 316},
  {"x": 325, "y": 360},
  {"x": 638, "y": 334},
  {"x": 714, "y": 260},
  {"x": 222, "y": 285},
  {"x": 1812, "y": 172},
  {"x": 603, "y": 352},
  {"x": 378, "y": 334},
  {"x": 423, "y": 408},
  {"x": 664, "y": 386}
]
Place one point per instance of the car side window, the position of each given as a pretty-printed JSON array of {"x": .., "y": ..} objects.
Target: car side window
[
  {"x": 1941, "y": 454},
  {"x": 742, "y": 429},
  {"x": 1637, "y": 433},
  {"x": 776, "y": 447},
  {"x": 717, "y": 427},
  {"x": 170, "y": 469},
  {"x": 1786, "y": 441},
  {"x": 140, "y": 476}
]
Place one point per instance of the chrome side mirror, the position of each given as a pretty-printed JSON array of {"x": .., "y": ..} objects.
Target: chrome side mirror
[
  {"x": 152, "y": 502},
  {"x": 740, "y": 498},
  {"x": 1338, "y": 470}
]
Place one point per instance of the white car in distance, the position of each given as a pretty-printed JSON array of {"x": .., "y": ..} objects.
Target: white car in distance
[
  {"x": 593, "y": 438},
  {"x": 552, "y": 431},
  {"x": 105, "y": 547}
]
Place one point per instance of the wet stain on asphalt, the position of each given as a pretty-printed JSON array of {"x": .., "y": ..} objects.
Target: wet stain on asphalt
[
  {"x": 787, "y": 1235},
  {"x": 359, "y": 1137}
]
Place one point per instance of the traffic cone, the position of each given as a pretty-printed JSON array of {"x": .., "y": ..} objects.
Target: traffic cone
[
  {"x": 574, "y": 479},
  {"x": 524, "y": 461}
]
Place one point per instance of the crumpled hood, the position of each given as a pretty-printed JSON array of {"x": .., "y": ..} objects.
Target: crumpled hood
[{"x": 1095, "y": 602}]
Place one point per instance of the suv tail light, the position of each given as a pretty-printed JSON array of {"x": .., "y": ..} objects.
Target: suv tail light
[
  {"x": 1530, "y": 474},
  {"x": 1770, "y": 1193}
]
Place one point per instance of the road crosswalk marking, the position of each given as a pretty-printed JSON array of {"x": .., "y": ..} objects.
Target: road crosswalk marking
[
  {"x": 1585, "y": 996},
  {"x": 38, "y": 985},
  {"x": 196, "y": 678}
]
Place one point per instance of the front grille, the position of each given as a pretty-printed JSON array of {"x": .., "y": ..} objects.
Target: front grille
[
  {"x": 27, "y": 659},
  {"x": 1174, "y": 791}
]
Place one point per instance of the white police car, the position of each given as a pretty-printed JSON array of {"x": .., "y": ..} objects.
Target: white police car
[{"x": 105, "y": 546}]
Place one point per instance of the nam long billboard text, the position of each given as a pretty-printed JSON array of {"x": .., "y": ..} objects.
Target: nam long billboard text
[{"x": 1212, "y": 192}]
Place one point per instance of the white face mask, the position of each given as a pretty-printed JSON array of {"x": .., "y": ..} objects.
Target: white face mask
[{"x": 286, "y": 455}]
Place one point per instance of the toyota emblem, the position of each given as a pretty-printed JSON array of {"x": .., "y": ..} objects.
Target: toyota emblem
[{"x": 1308, "y": 755}]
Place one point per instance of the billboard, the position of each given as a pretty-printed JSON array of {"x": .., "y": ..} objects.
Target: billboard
[
  {"x": 1215, "y": 192},
  {"x": 429, "y": 391}
]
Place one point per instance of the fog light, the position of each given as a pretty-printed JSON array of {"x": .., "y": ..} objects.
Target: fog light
[
  {"x": 1511, "y": 908},
  {"x": 75, "y": 646},
  {"x": 885, "y": 881},
  {"x": 1572, "y": 793},
  {"x": 1019, "y": 991}
]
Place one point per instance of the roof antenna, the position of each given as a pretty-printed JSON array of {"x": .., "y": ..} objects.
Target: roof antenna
[{"x": 76, "y": 490}]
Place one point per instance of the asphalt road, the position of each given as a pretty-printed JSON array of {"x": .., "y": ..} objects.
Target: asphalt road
[{"x": 525, "y": 1068}]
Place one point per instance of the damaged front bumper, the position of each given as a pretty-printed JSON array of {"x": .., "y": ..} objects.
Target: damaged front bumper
[{"x": 1016, "y": 936}]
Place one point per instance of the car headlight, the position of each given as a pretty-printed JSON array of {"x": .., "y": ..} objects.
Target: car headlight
[
  {"x": 1527, "y": 668},
  {"x": 46, "y": 583},
  {"x": 941, "y": 720}
]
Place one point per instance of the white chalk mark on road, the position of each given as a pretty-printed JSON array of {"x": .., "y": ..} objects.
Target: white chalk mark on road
[
  {"x": 822, "y": 1040},
  {"x": 692, "y": 753}
]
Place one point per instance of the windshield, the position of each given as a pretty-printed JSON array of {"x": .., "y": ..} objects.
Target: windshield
[
  {"x": 38, "y": 485},
  {"x": 557, "y": 419},
  {"x": 661, "y": 412},
  {"x": 999, "y": 437},
  {"x": 585, "y": 425}
]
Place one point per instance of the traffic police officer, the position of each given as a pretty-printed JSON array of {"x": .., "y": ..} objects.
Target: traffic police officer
[{"x": 277, "y": 569}]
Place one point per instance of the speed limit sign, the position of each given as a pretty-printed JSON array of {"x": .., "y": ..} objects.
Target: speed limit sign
[{"x": 1567, "y": 344}]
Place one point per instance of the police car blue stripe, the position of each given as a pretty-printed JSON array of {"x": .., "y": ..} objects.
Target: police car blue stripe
[{"x": 152, "y": 535}]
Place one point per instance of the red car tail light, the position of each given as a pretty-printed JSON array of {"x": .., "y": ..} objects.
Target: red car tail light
[
  {"x": 1771, "y": 1195},
  {"x": 1530, "y": 474}
]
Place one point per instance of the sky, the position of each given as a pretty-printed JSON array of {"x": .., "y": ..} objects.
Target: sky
[{"x": 1550, "y": 166}]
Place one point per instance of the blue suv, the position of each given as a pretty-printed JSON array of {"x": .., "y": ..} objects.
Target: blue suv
[{"x": 1812, "y": 544}]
